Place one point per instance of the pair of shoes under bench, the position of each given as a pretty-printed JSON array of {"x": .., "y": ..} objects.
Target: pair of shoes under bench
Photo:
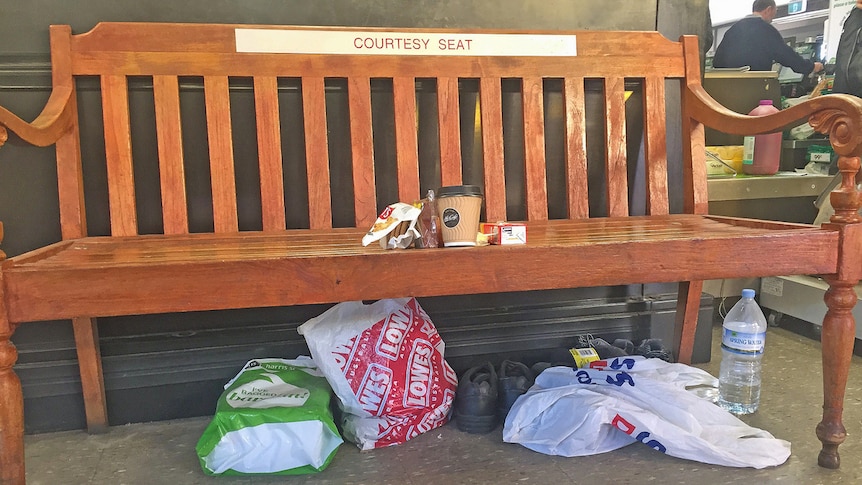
[{"x": 484, "y": 396}]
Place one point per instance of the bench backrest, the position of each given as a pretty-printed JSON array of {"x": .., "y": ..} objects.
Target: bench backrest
[{"x": 353, "y": 132}]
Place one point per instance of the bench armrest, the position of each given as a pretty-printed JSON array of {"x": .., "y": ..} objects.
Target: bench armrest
[
  {"x": 836, "y": 115},
  {"x": 54, "y": 120}
]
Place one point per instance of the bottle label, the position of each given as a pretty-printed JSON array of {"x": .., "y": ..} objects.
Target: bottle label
[
  {"x": 743, "y": 342},
  {"x": 748, "y": 150}
]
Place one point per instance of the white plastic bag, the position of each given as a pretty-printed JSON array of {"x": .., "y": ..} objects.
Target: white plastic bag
[
  {"x": 579, "y": 412},
  {"x": 385, "y": 363}
]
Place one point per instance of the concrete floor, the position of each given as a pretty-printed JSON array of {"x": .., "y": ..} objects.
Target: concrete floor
[{"x": 164, "y": 452}]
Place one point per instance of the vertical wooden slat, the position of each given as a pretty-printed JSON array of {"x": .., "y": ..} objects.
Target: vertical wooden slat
[
  {"x": 449, "y": 123},
  {"x": 491, "y": 108},
  {"x": 172, "y": 177},
  {"x": 217, "y": 96},
  {"x": 576, "y": 148},
  {"x": 316, "y": 153},
  {"x": 118, "y": 151},
  {"x": 655, "y": 146},
  {"x": 362, "y": 146},
  {"x": 615, "y": 149},
  {"x": 70, "y": 175},
  {"x": 534, "y": 149},
  {"x": 406, "y": 144},
  {"x": 70, "y": 180},
  {"x": 269, "y": 152},
  {"x": 695, "y": 194}
]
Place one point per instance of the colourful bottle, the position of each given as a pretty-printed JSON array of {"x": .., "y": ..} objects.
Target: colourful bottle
[{"x": 762, "y": 153}]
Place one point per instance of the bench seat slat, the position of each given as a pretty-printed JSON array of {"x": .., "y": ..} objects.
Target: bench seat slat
[
  {"x": 362, "y": 149},
  {"x": 222, "y": 171},
  {"x": 616, "y": 166},
  {"x": 449, "y": 127},
  {"x": 269, "y": 152},
  {"x": 316, "y": 153},
  {"x": 491, "y": 112},
  {"x": 534, "y": 149},
  {"x": 655, "y": 146},
  {"x": 249, "y": 269},
  {"x": 406, "y": 141},
  {"x": 154, "y": 248},
  {"x": 118, "y": 152},
  {"x": 171, "y": 167},
  {"x": 576, "y": 148}
]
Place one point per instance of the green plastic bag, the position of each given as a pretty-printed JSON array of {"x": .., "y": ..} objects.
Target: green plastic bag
[{"x": 273, "y": 418}]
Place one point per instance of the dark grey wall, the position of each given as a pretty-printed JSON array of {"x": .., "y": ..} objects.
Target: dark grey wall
[
  {"x": 23, "y": 25},
  {"x": 148, "y": 346}
]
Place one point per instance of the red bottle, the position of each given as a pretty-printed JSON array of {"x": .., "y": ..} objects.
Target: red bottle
[{"x": 762, "y": 153}]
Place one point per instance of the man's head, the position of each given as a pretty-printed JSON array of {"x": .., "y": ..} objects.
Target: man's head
[{"x": 765, "y": 8}]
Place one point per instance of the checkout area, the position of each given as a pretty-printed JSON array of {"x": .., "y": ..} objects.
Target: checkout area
[{"x": 789, "y": 195}]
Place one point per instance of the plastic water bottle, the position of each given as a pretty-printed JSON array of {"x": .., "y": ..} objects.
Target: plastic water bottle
[
  {"x": 742, "y": 341},
  {"x": 762, "y": 153}
]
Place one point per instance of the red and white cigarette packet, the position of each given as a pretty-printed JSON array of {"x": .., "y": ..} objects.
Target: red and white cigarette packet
[{"x": 503, "y": 233}]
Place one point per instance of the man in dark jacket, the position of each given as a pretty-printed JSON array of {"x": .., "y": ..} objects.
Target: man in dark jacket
[{"x": 754, "y": 42}]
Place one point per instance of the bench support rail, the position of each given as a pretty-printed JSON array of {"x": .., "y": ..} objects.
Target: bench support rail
[
  {"x": 92, "y": 379},
  {"x": 688, "y": 304}
]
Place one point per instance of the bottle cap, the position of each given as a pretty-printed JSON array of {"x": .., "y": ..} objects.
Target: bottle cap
[
  {"x": 748, "y": 293},
  {"x": 766, "y": 101}
]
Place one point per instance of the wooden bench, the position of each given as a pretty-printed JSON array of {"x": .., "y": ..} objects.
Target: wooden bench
[{"x": 280, "y": 262}]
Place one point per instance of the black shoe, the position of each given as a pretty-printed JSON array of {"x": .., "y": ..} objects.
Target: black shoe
[
  {"x": 476, "y": 400},
  {"x": 606, "y": 350},
  {"x": 625, "y": 344},
  {"x": 513, "y": 379},
  {"x": 654, "y": 349}
]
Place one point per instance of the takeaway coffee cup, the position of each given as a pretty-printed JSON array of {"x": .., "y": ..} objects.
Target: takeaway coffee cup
[{"x": 459, "y": 207}]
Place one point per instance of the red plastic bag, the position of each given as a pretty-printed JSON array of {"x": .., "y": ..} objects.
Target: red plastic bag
[{"x": 385, "y": 363}]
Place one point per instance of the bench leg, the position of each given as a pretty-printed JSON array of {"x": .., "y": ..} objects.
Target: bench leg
[
  {"x": 92, "y": 380},
  {"x": 11, "y": 409},
  {"x": 837, "y": 338},
  {"x": 687, "y": 310}
]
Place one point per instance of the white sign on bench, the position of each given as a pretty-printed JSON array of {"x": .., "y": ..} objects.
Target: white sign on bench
[{"x": 408, "y": 43}]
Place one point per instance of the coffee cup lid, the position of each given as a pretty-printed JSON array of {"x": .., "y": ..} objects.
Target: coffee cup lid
[{"x": 459, "y": 190}]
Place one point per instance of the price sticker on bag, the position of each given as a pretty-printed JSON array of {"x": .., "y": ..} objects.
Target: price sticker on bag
[{"x": 583, "y": 357}]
